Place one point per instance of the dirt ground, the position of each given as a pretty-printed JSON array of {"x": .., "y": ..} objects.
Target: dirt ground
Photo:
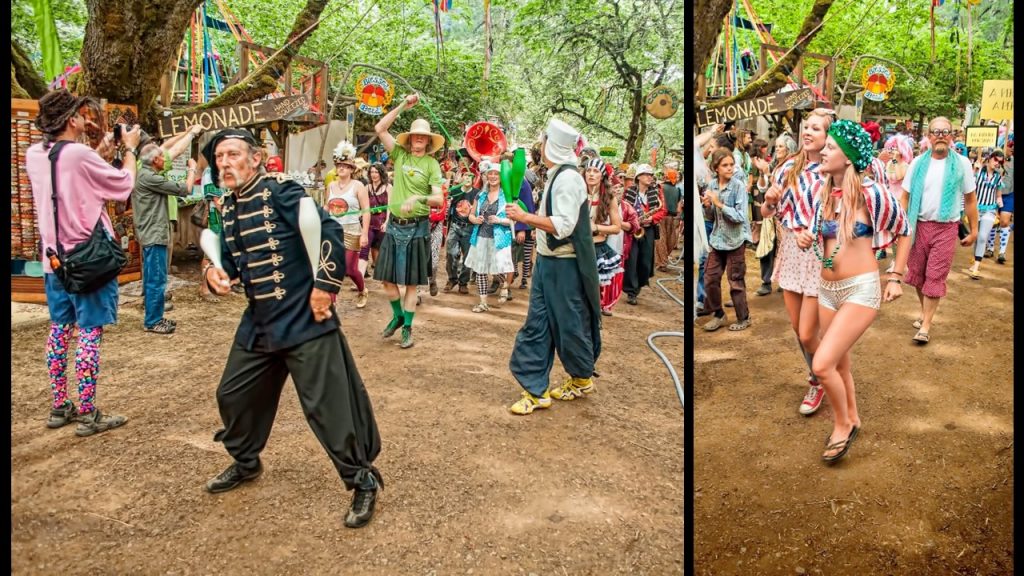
[
  {"x": 588, "y": 487},
  {"x": 928, "y": 486}
]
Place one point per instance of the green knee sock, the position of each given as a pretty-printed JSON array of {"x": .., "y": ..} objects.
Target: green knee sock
[
  {"x": 408, "y": 318},
  {"x": 396, "y": 309}
]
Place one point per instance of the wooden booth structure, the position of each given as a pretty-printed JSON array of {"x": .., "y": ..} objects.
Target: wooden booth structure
[{"x": 25, "y": 240}]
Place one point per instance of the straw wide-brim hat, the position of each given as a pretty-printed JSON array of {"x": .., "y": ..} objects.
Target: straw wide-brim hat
[{"x": 421, "y": 126}]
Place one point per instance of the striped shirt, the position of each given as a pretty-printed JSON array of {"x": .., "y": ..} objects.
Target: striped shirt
[
  {"x": 878, "y": 172},
  {"x": 888, "y": 219},
  {"x": 987, "y": 185},
  {"x": 795, "y": 205}
]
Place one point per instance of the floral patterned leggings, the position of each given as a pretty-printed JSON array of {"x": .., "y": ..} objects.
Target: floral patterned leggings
[{"x": 87, "y": 364}]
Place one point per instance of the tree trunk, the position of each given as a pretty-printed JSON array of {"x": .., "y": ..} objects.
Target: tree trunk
[
  {"x": 25, "y": 81},
  {"x": 710, "y": 19},
  {"x": 778, "y": 75},
  {"x": 263, "y": 80},
  {"x": 637, "y": 125},
  {"x": 126, "y": 49}
]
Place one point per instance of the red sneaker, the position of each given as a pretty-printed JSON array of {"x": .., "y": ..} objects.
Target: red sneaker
[{"x": 812, "y": 401}]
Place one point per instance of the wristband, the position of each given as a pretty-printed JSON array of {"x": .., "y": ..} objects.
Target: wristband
[{"x": 895, "y": 280}]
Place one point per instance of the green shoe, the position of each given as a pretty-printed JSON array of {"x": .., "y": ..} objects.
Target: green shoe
[
  {"x": 393, "y": 327},
  {"x": 407, "y": 337}
]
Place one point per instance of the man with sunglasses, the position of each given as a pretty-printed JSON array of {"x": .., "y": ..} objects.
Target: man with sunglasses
[{"x": 938, "y": 189}]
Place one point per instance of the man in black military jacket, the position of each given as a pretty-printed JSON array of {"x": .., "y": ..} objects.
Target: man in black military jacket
[{"x": 289, "y": 327}]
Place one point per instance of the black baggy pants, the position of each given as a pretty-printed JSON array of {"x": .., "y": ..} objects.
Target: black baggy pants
[{"x": 331, "y": 393}]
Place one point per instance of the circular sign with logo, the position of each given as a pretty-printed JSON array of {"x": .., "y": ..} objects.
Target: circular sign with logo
[
  {"x": 661, "y": 102},
  {"x": 373, "y": 94},
  {"x": 878, "y": 82}
]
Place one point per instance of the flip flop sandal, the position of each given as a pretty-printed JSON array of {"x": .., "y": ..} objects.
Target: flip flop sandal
[
  {"x": 739, "y": 326},
  {"x": 843, "y": 446},
  {"x": 974, "y": 275},
  {"x": 853, "y": 435},
  {"x": 921, "y": 338},
  {"x": 917, "y": 323}
]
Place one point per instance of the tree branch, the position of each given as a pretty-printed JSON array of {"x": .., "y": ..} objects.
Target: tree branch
[
  {"x": 23, "y": 76},
  {"x": 592, "y": 123},
  {"x": 778, "y": 75}
]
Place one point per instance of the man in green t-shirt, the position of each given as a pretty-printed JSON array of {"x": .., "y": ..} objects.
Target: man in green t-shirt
[{"x": 405, "y": 252}]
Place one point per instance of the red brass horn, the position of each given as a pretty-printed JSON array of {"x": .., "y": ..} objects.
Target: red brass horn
[{"x": 484, "y": 139}]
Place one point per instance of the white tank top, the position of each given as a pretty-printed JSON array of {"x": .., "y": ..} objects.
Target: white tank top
[{"x": 351, "y": 198}]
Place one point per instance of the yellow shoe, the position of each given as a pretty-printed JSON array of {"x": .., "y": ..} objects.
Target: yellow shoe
[
  {"x": 528, "y": 403},
  {"x": 583, "y": 385},
  {"x": 573, "y": 388},
  {"x": 362, "y": 298},
  {"x": 567, "y": 391}
]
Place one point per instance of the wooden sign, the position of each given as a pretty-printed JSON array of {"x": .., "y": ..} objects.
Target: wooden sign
[
  {"x": 982, "y": 136},
  {"x": 661, "y": 103},
  {"x": 762, "y": 106},
  {"x": 248, "y": 114},
  {"x": 997, "y": 100}
]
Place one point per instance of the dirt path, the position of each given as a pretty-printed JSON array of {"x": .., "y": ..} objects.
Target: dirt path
[
  {"x": 589, "y": 487},
  {"x": 928, "y": 486}
]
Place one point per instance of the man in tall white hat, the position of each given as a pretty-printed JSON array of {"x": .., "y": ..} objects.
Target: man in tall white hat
[
  {"x": 565, "y": 310},
  {"x": 404, "y": 261}
]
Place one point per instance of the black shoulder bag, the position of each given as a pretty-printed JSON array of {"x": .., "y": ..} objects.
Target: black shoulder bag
[{"x": 90, "y": 265}]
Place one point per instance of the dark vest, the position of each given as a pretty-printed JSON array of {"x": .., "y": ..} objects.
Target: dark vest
[{"x": 583, "y": 244}]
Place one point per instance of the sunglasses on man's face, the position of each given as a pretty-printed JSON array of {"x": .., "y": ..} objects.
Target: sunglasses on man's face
[{"x": 941, "y": 133}]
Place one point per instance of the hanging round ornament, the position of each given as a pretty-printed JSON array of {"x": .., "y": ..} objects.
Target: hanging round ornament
[
  {"x": 661, "y": 102},
  {"x": 878, "y": 82},
  {"x": 373, "y": 94}
]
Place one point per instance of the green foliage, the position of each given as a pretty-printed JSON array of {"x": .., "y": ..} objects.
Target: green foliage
[
  {"x": 590, "y": 56},
  {"x": 70, "y": 16},
  {"x": 900, "y": 30}
]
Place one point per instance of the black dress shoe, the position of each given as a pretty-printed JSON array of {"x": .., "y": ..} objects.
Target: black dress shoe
[
  {"x": 631, "y": 299},
  {"x": 232, "y": 478}
]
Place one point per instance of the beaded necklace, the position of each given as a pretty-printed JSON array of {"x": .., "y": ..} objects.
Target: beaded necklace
[{"x": 826, "y": 263}]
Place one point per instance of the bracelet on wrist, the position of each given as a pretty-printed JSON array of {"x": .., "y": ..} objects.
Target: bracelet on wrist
[{"x": 895, "y": 280}]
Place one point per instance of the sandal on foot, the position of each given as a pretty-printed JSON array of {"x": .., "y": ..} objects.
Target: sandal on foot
[
  {"x": 973, "y": 274},
  {"x": 481, "y": 307},
  {"x": 714, "y": 324},
  {"x": 921, "y": 338},
  {"x": 917, "y": 323},
  {"x": 843, "y": 446},
  {"x": 739, "y": 326}
]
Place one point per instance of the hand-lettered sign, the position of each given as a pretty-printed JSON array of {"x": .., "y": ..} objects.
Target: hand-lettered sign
[
  {"x": 878, "y": 82},
  {"x": 248, "y": 114},
  {"x": 773, "y": 104},
  {"x": 373, "y": 93}
]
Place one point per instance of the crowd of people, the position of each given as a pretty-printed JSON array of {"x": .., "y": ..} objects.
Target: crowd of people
[
  {"x": 580, "y": 235},
  {"x": 820, "y": 212}
]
